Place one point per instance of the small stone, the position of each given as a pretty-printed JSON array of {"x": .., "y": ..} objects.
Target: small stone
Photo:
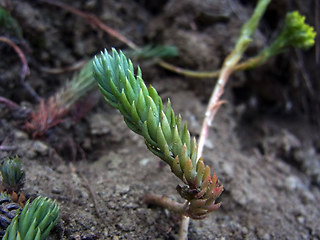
[
  {"x": 126, "y": 225},
  {"x": 40, "y": 148},
  {"x": 144, "y": 161},
  {"x": 20, "y": 135},
  {"x": 122, "y": 189},
  {"x": 56, "y": 190},
  {"x": 292, "y": 183},
  {"x": 266, "y": 236},
  {"x": 209, "y": 144},
  {"x": 301, "y": 219},
  {"x": 87, "y": 144},
  {"x": 105, "y": 232},
  {"x": 99, "y": 124}
]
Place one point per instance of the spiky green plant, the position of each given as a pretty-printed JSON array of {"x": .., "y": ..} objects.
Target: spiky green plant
[
  {"x": 35, "y": 220},
  {"x": 164, "y": 133},
  {"x": 80, "y": 84},
  {"x": 51, "y": 112},
  {"x": 13, "y": 176}
]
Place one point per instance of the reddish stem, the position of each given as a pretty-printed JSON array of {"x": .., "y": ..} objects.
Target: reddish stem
[
  {"x": 25, "y": 68},
  {"x": 165, "y": 202},
  {"x": 92, "y": 19}
]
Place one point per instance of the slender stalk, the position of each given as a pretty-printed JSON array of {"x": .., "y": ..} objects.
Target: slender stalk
[
  {"x": 92, "y": 19},
  {"x": 165, "y": 202},
  {"x": 25, "y": 71},
  {"x": 228, "y": 67},
  {"x": 184, "y": 225},
  {"x": 25, "y": 68},
  {"x": 12, "y": 105},
  {"x": 247, "y": 64},
  {"x": 187, "y": 72}
]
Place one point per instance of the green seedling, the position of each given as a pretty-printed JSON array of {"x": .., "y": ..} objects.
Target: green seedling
[
  {"x": 13, "y": 176},
  {"x": 52, "y": 111},
  {"x": 34, "y": 222},
  {"x": 164, "y": 133}
]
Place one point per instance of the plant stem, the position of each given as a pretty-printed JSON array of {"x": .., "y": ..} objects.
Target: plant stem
[
  {"x": 12, "y": 105},
  {"x": 25, "y": 68},
  {"x": 187, "y": 72},
  {"x": 92, "y": 19},
  {"x": 174, "y": 206},
  {"x": 228, "y": 67},
  {"x": 247, "y": 64},
  {"x": 184, "y": 225},
  {"x": 213, "y": 107},
  {"x": 165, "y": 202}
]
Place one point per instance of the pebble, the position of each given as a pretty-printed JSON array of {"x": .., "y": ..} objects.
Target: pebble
[
  {"x": 40, "y": 148},
  {"x": 20, "y": 135},
  {"x": 144, "y": 161},
  {"x": 292, "y": 183},
  {"x": 122, "y": 189},
  {"x": 99, "y": 124}
]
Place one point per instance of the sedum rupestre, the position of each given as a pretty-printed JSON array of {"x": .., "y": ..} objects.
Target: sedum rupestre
[
  {"x": 35, "y": 220},
  {"x": 164, "y": 133}
]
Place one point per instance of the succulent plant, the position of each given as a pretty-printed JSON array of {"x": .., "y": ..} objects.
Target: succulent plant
[
  {"x": 8, "y": 210},
  {"x": 13, "y": 176},
  {"x": 35, "y": 220},
  {"x": 51, "y": 112},
  {"x": 164, "y": 133}
]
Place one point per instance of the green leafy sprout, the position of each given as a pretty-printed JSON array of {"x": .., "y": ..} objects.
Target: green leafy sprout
[
  {"x": 34, "y": 222},
  {"x": 164, "y": 133},
  {"x": 13, "y": 176},
  {"x": 80, "y": 84}
]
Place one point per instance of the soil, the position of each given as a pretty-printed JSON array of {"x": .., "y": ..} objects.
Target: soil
[{"x": 263, "y": 146}]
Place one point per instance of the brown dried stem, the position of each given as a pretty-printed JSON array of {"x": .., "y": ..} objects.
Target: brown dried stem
[
  {"x": 163, "y": 201},
  {"x": 10, "y": 104},
  {"x": 25, "y": 71},
  {"x": 25, "y": 68},
  {"x": 93, "y": 20}
]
